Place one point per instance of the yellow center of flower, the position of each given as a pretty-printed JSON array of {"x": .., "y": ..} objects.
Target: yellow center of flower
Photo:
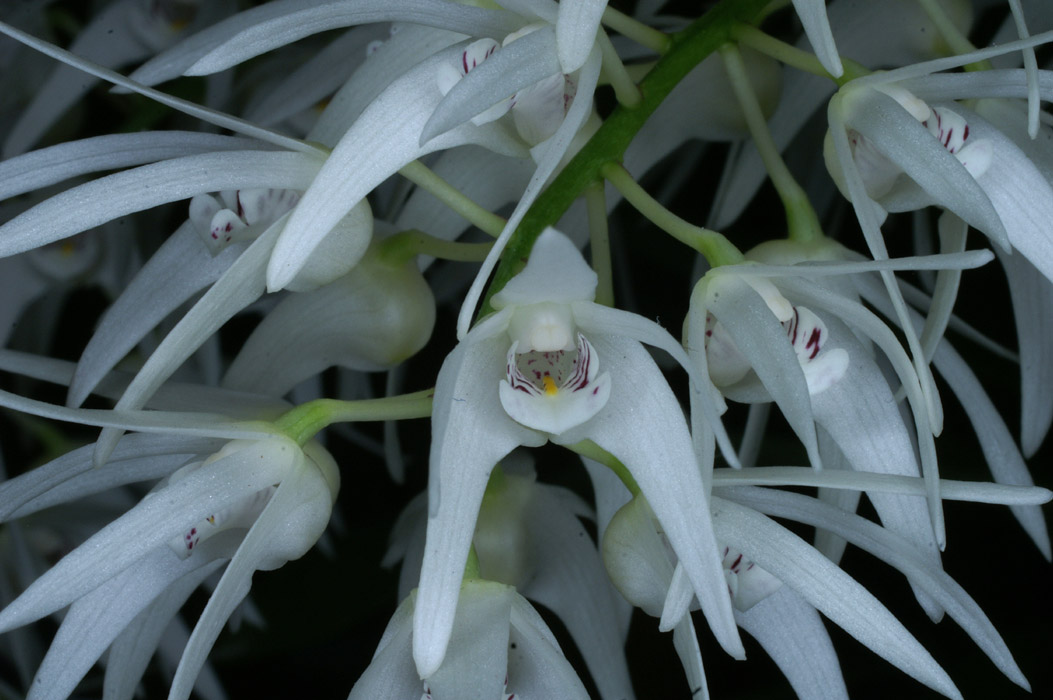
[{"x": 550, "y": 385}]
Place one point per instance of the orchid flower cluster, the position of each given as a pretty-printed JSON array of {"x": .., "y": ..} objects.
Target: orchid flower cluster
[{"x": 480, "y": 308}]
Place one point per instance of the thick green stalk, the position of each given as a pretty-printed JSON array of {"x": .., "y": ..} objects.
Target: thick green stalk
[{"x": 686, "y": 50}]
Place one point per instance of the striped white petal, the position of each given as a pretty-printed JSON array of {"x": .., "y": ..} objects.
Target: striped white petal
[
  {"x": 86, "y": 206},
  {"x": 48, "y": 166}
]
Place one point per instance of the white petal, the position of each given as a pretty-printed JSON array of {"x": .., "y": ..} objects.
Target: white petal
[
  {"x": 382, "y": 140},
  {"x": 72, "y": 476},
  {"x": 48, "y": 166},
  {"x": 555, "y": 272},
  {"x": 816, "y": 25},
  {"x": 86, "y": 206},
  {"x": 471, "y": 433},
  {"x": 95, "y": 620},
  {"x": 536, "y": 666},
  {"x": 130, "y": 653},
  {"x": 686, "y": 643},
  {"x": 830, "y": 590},
  {"x": 317, "y": 79},
  {"x": 643, "y": 426},
  {"x": 477, "y": 663},
  {"x": 210, "y": 116},
  {"x": 862, "y": 417},
  {"x": 793, "y": 635},
  {"x": 570, "y": 581},
  {"x": 863, "y": 321},
  {"x": 182, "y": 423},
  {"x": 576, "y": 28}
]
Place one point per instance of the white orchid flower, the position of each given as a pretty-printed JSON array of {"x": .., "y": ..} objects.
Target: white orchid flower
[
  {"x": 553, "y": 365},
  {"x": 257, "y": 502},
  {"x": 529, "y": 535},
  {"x": 500, "y": 648},
  {"x": 765, "y": 333}
]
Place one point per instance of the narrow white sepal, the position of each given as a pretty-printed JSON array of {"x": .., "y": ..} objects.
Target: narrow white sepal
[{"x": 576, "y": 27}]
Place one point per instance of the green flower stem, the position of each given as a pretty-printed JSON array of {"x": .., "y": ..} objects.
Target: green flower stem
[
  {"x": 748, "y": 35},
  {"x": 801, "y": 220},
  {"x": 303, "y": 422},
  {"x": 405, "y": 245},
  {"x": 420, "y": 175},
  {"x": 686, "y": 50},
  {"x": 636, "y": 30},
  {"x": 596, "y": 206},
  {"x": 625, "y": 90},
  {"x": 717, "y": 249},
  {"x": 588, "y": 448}
]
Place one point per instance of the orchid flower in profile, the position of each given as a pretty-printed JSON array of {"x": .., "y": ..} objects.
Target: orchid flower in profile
[
  {"x": 764, "y": 332},
  {"x": 257, "y": 503},
  {"x": 500, "y": 648},
  {"x": 551, "y": 364}
]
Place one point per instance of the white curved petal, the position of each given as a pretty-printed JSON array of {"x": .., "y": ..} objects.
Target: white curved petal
[
  {"x": 793, "y": 635},
  {"x": 897, "y": 553},
  {"x": 48, "y": 166},
  {"x": 862, "y": 417},
  {"x": 317, "y": 79},
  {"x": 829, "y": 589},
  {"x": 471, "y": 433},
  {"x": 865, "y": 322},
  {"x": 403, "y": 50},
  {"x": 73, "y": 476},
  {"x": 86, "y": 206},
  {"x": 95, "y": 620},
  {"x": 644, "y": 427},
  {"x": 570, "y": 580},
  {"x": 131, "y": 651}
]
